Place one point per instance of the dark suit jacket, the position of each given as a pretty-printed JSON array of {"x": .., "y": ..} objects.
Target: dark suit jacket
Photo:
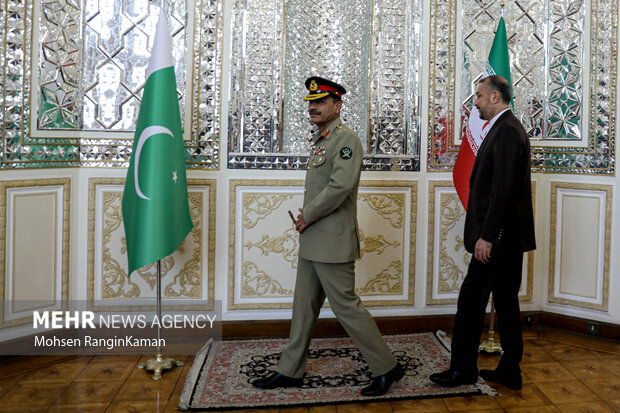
[{"x": 500, "y": 195}]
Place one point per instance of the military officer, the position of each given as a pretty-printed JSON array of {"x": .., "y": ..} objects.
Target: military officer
[{"x": 329, "y": 246}]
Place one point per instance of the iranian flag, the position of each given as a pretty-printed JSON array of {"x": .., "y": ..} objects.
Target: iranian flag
[
  {"x": 155, "y": 205},
  {"x": 498, "y": 63}
]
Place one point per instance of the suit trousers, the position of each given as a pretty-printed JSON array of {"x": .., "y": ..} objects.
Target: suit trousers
[
  {"x": 315, "y": 281},
  {"x": 501, "y": 276}
]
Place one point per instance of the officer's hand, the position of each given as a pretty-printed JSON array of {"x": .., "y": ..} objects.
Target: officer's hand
[
  {"x": 300, "y": 225},
  {"x": 482, "y": 251}
]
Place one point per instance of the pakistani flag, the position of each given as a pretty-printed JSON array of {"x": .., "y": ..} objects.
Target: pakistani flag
[
  {"x": 498, "y": 63},
  {"x": 155, "y": 207}
]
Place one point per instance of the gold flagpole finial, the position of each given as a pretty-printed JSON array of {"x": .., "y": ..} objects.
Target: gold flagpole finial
[{"x": 502, "y": 3}]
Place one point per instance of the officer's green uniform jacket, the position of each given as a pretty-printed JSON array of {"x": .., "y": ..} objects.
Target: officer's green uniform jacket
[
  {"x": 330, "y": 199},
  {"x": 327, "y": 252}
]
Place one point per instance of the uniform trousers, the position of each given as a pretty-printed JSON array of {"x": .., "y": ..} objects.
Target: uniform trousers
[
  {"x": 501, "y": 276},
  {"x": 315, "y": 281}
]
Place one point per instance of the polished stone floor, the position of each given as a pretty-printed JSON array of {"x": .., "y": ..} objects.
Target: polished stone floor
[{"x": 561, "y": 372}]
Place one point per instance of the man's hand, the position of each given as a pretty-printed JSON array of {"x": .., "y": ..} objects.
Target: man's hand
[
  {"x": 482, "y": 251},
  {"x": 300, "y": 224}
]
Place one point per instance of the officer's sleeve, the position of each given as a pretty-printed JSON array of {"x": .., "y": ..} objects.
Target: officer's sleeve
[{"x": 345, "y": 174}]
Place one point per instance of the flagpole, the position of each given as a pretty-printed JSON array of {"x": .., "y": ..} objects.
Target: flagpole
[
  {"x": 491, "y": 346},
  {"x": 159, "y": 306},
  {"x": 159, "y": 363}
]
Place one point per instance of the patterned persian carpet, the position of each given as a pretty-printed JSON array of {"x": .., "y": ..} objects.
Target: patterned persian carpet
[{"x": 223, "y": 371}]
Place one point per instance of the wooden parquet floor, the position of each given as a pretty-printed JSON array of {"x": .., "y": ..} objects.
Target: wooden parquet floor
[{"x": 561, "y": 373}]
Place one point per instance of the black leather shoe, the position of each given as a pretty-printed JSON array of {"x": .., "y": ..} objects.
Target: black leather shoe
[
  {"x": 512, "y": 381},
  {"x": 452, "y": 378},
  {"x": 382, "y": 383},
  {"x": 275, "y": 380}
]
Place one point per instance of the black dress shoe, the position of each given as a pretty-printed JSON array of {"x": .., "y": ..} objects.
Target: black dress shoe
[
  {"x": 512, "y": 381},
  {"x": 382, "y": 383},
  {"x": 275, "y": 380},
  {"x": 452, "y": 378}
]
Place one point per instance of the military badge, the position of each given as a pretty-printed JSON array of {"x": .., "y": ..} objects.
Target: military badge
[
  {"x": 346, "y": 153},
  {"x": 313, "y": 86},
  {"x": 319, "y": 151}
]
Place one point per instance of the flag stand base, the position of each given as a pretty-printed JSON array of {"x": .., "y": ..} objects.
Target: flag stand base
[
  {"x": 491, "y": 346},
  {"x": 160, "y": 363}
]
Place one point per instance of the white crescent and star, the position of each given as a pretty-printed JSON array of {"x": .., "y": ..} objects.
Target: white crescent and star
[
  {"x": 147, "y": 133},
  {"x": 161, "y": 58}
]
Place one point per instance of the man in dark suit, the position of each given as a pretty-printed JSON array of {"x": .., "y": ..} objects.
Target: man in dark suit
[
  {"x": 328, "y": 248},
  {"x": 499, "y": 228}
]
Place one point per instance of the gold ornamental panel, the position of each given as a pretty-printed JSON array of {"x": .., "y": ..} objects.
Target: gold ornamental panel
[
  {"x": 448, "y": 260},
  {"x": 263, "y": 253},
  {"x": 187, "y": 275}
]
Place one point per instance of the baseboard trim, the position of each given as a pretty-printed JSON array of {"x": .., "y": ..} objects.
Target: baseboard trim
[
  {"x": 576, "y": 325},
  {"x": 415, "y": 324},
  {"x": 330, "y": 327}
]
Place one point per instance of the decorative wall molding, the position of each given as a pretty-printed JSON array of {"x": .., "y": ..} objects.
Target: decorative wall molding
[
  {"x": 580, "y": 245},
  {"x": 188, "y": 275},
  {"x": 55, "y": 194},
  {"x": 264, "y": 246},
  {"x": 447, "y": 259}
]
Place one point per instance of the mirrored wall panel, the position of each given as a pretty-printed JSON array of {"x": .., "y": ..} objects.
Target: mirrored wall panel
[
  {"x": 372, "y": 48},
  {"x": 73, "y": 74},
  {"x": 563, "y": 68}
]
